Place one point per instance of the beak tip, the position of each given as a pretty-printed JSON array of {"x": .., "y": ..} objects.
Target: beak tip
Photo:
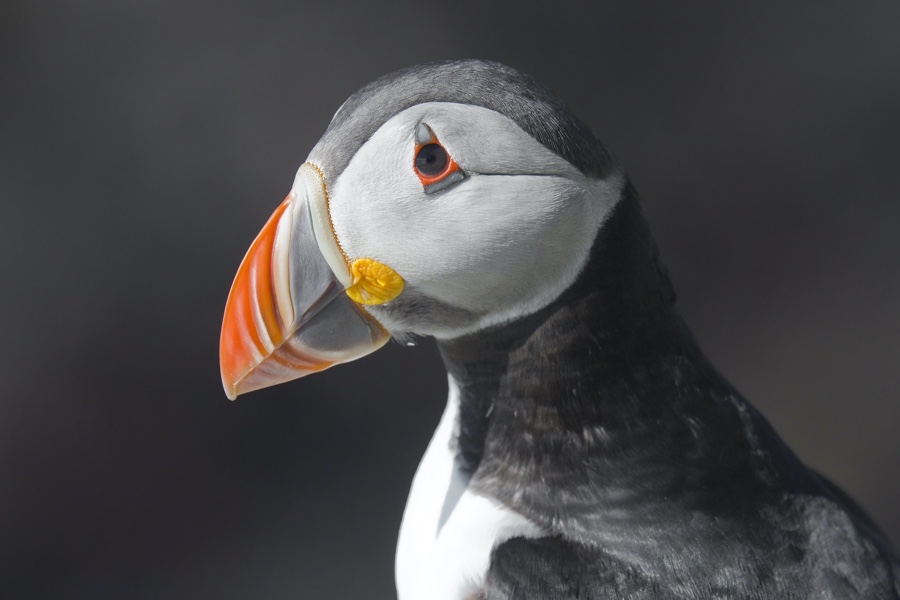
[{"x": 231, "y": 390}]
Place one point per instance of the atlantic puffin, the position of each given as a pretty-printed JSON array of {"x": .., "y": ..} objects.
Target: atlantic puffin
[{"x": 588, "y": 448}]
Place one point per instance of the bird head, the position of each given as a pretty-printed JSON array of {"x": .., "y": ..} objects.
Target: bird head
[{"x": 441, "y": 200}]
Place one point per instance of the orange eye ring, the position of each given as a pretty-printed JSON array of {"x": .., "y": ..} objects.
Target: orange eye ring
[{"x": 431, "y": 161}]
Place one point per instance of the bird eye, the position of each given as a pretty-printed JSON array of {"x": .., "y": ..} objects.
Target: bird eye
[
  {"x": 431, "y": 160},
  {"x": 433, "y": 164}
]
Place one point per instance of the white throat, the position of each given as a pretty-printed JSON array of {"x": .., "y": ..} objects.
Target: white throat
[{"x": 448, "y": 531}]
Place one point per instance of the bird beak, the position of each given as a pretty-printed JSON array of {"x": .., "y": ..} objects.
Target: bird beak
[{"x": 287, "y": 314}]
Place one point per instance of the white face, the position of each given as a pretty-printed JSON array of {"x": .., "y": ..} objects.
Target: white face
[{"x": 500, "y": 244}]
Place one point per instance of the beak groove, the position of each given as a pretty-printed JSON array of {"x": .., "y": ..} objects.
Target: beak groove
[{"x": 252, "y": 328}]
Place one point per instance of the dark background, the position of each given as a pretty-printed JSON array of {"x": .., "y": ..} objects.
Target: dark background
[{"x": 143, "y": 145}]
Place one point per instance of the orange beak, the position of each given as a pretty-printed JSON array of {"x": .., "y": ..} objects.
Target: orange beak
[{"x": 287, "y": 314}]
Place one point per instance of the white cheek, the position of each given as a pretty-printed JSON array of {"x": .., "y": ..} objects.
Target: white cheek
[
  {"x": 374, "y": 199},
  {"x": 498, "y": 245},
  {"x": 499, "y": 237}
]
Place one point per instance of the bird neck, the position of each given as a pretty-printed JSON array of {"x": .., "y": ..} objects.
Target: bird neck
[{"x": 605, "y": 389}]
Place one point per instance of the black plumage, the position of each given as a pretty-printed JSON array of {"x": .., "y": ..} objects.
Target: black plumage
[{"x": 600, "y": 419}]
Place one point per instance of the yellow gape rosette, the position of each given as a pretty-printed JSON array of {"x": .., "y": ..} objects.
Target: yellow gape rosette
[{"x": 373, "y": 282}]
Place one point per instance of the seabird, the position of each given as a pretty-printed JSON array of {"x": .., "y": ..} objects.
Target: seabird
[{"x": 588, "y": 449}]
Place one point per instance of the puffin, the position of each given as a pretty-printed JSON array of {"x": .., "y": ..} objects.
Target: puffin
[{"x": 588, "y": 449}]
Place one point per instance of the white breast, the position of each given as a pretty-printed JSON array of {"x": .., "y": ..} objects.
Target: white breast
[{"x": 448, "y": 561}]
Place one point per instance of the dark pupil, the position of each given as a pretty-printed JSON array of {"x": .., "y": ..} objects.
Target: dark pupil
[{"x": 431, "y": 160}]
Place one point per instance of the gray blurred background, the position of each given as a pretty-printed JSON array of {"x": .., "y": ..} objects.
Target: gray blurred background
[{"x": 143, "y": 145}]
